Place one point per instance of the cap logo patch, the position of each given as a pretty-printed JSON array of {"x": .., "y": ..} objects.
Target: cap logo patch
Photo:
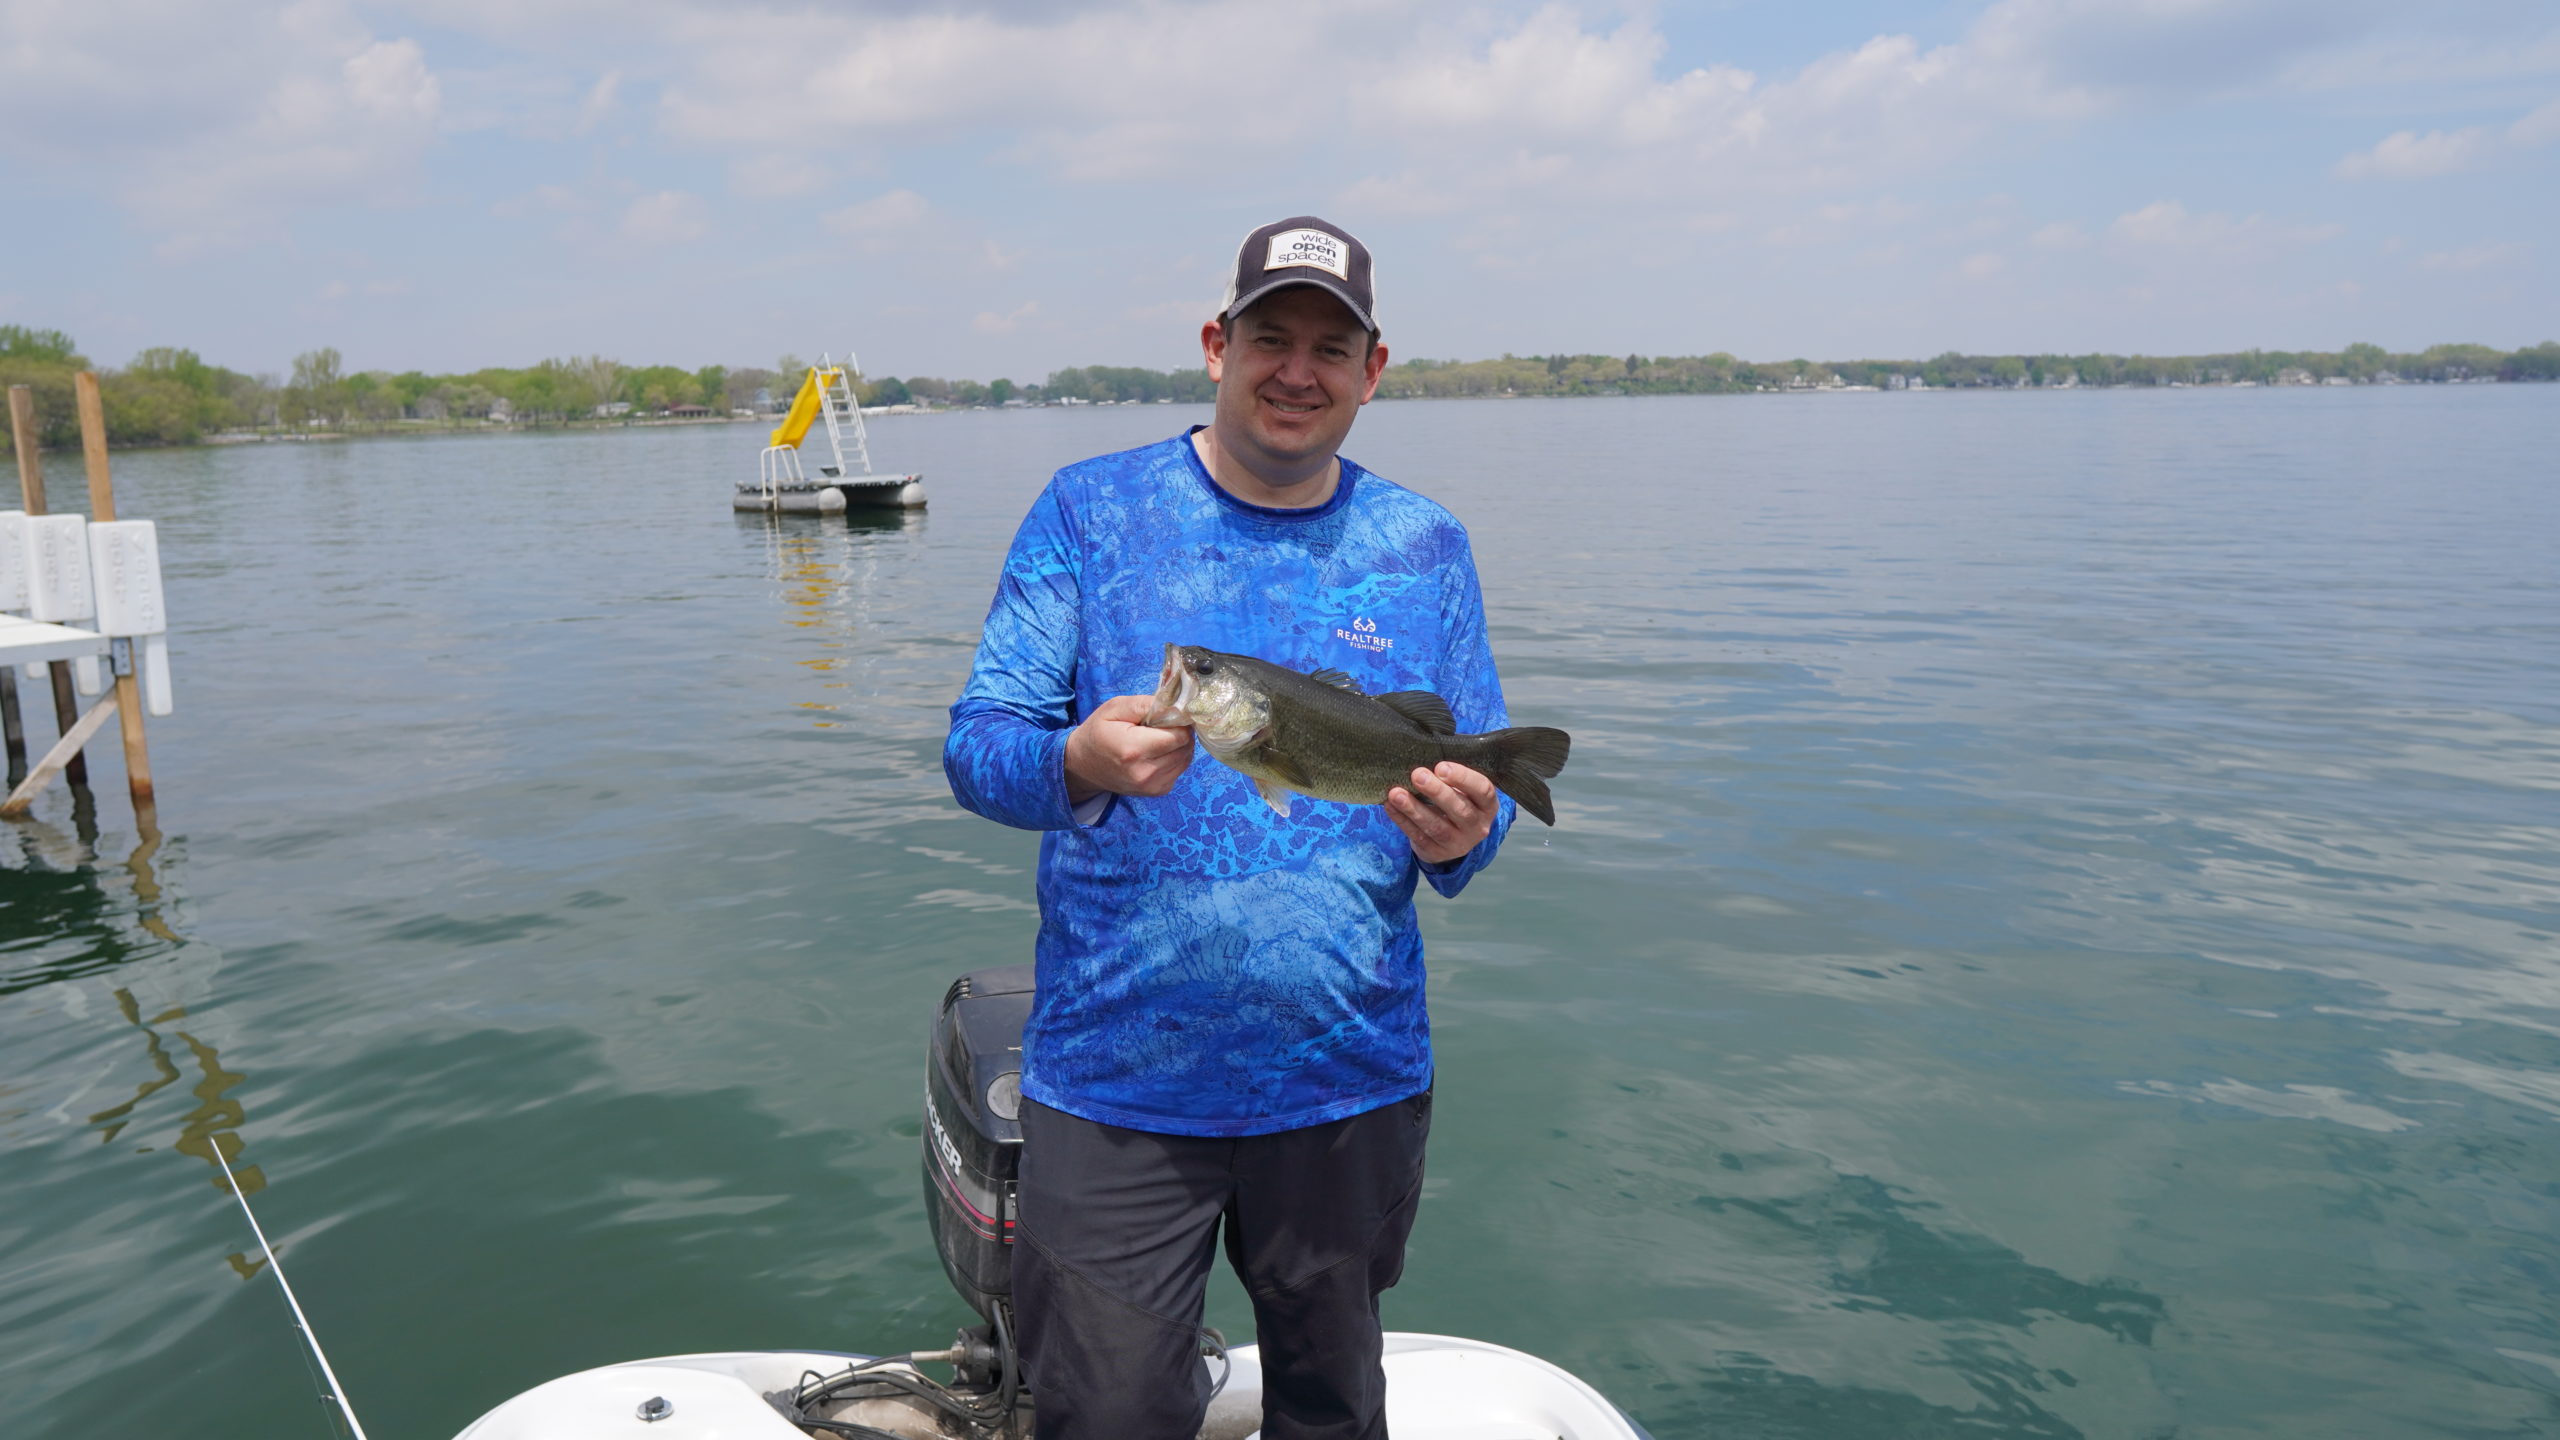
[{"x": 1315, "y": 249}]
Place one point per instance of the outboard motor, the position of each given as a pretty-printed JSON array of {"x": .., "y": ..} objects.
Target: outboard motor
[{"x": 973, "y": 1133}]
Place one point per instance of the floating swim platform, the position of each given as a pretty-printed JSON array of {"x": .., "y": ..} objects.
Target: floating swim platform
[
  {"x": 826, "y": 495},
  {"x": 826, "y": 393}
]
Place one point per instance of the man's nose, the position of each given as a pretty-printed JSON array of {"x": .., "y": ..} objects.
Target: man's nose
[{"x": 1297, "y": 368}]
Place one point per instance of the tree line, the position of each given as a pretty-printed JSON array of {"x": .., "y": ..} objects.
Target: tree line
[
  {"x": 1721, "y": 373},
  {"x": 171, "y": 396}
]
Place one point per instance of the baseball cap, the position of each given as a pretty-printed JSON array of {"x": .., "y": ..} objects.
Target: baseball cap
[{"x": 1303, "y": 250}]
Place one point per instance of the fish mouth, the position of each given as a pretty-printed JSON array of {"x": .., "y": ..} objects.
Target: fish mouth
[{"x": 1175, "y": 688}]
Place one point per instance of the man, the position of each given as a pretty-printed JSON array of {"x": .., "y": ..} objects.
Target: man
[{"x": 1229, "y": 1029}]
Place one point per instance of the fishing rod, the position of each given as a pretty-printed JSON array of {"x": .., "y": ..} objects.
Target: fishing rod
[{"x": 337, "y": 1392}]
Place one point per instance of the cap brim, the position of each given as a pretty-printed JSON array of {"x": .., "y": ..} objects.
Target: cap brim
[{"x": 1326, "y": 283}]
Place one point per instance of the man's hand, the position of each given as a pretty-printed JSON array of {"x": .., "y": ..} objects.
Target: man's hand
[
  {"x": 1115, "y": 750},
  {"x": 1458, "y": 817}
]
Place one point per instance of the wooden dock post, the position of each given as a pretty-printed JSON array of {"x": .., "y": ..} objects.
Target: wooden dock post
[
  {"x": 102, "y": 507},
  {"x": 65, "y": 752},
  {"x": 13, "y": 730},
  {"x": 22, "y": 425}
]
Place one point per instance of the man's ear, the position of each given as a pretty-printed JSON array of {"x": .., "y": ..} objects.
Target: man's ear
[
  {"x": 1376, "y": 367},
  {"x": 1213, "y": 349}
]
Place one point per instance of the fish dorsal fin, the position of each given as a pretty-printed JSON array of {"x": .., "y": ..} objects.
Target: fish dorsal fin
[
  {"x": 1337, "y": 680},
  {"x": 1427, "y": 711}
]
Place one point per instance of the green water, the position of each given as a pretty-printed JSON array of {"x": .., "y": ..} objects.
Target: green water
[{"x": 2052, "y": 929}]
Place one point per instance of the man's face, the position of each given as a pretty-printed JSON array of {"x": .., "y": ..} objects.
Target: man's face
[{"x": 1292, "y": 373}]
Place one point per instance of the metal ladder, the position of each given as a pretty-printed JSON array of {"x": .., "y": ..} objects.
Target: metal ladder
[{"x": 844, "y": 415}]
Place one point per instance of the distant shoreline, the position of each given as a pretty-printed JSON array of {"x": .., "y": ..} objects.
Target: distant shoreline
[
  {"x": 433, "y": 429},
  {"x": 173, "y": 397}
]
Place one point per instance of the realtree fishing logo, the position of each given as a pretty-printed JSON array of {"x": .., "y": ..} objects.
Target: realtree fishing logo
[{"x": 1364, "y": 635}]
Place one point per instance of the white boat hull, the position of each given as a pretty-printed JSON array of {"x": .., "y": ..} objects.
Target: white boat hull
[{"x": 1439, "y": 1387}]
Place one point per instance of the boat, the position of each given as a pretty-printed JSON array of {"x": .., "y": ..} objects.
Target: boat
[
  {"x": 781, "y": 485},
  {"x": 1439, "y": 1387}
]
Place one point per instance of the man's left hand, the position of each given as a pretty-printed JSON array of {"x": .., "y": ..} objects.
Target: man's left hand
[{"x": 1458, "y": 817}]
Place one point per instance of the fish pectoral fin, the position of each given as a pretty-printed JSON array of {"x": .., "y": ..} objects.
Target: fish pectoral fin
[
  {"x": 1337, "y": 680},
  {"x": 1273, "y": 794},
  {"x": 1427, "y": 711},
  {"x": 1285, "y": 769}
]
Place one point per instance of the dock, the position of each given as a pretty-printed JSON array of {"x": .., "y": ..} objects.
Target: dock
[{"x": 81, "y": 608}]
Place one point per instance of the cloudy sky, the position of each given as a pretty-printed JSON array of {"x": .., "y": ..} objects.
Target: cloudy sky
[{"x": 1003, "y": 188}]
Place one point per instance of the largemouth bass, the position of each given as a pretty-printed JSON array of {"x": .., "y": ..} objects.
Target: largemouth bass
[{"x": 1320, "y": 736}]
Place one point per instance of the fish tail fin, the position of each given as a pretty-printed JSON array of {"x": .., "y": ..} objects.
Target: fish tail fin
[{"x": 1523, "y": 760}]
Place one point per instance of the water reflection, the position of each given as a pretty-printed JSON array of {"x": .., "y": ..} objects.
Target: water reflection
[
  {"x": 827, "y": 575},
  {"x": 54, "y": 908},
  {"x": 1885, "y": 1258},
  {"x": 61, "y": 893},
  {"x": 1747, "y": 1395}
]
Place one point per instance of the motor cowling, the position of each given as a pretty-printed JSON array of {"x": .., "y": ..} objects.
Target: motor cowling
[{"x": 973, "y": 1130}]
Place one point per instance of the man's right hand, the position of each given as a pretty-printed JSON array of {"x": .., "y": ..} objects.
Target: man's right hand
[{"x": 1115, "y": 750}]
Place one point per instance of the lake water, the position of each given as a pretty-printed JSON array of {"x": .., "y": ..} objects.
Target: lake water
[{"x": 2054, "y": 928}]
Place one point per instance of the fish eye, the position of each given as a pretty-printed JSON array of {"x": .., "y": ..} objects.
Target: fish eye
[{"x": 1203, "y": 665}]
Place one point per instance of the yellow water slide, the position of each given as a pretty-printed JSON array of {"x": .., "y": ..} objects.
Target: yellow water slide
[{"x": 803, "y": 413}]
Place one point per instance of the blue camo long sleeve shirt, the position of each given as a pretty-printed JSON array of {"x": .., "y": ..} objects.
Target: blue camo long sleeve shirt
[{"x": 1207, "y": 967}]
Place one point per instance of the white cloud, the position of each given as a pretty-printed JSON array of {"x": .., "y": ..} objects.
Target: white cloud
[
  {"x": 2431, "y": 47},
  {"x": 600, "y": 101},
  {"x": 1427, "y": 110},
  {"x": 1589, "y": 145},
  {"x": 668, "y": 217},
  {"x": 2474, "y": 257},
  {"x": 2407, "y": 155},
  {"x": 1843, "y": 221},
  {"x": 880, "y": 219},
  {"x": 1984, "y": 265},
  {"x": 777, "y": 174},
  {"x": 2168, "y": 229},
  {"x": 554, "y": 199},
  {"x": 337, "y": 290},
  {"x": 2541, "y": 127},
  {"x": 1403, "y": 195},
  {"x": 991, "y": 323},
  {"x": 1475, "y": 108},
  {"x": 1552, "y": 81},
  {"x": 214, "y": 123},
  {"x": 2104, "y": 52}
]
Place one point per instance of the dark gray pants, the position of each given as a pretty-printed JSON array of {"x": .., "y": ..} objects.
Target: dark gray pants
[{"x": 1116, "y": 1234}]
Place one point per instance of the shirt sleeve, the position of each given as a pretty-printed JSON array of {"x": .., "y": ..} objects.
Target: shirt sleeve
[
  {"x": 1006, "y": 754},
  {"x": 1467, "y": 680}
]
